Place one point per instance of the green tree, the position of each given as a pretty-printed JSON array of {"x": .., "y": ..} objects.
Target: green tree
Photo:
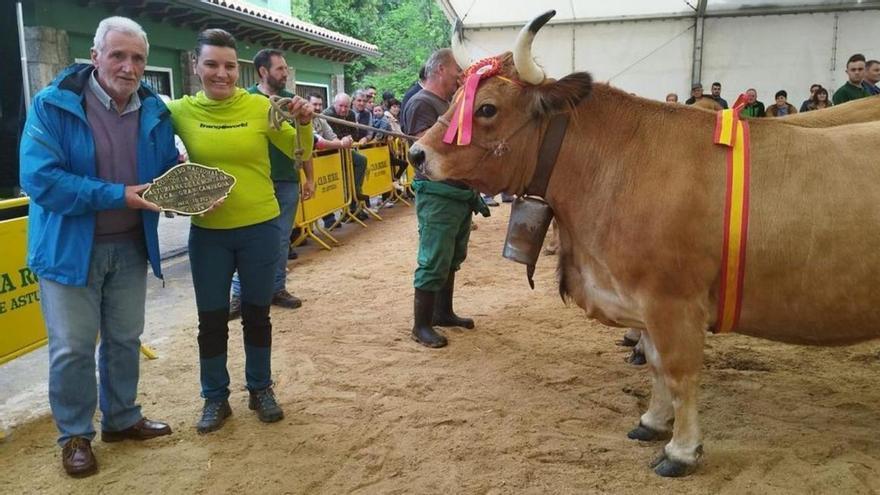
[
  {"x": 407, "y": 36},
  {"x": 300, "y": 9},
  {"x": 405, "y": 31}
]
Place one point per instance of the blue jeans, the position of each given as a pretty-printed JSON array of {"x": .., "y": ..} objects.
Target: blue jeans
[
  {"x": 287, "y": 194},
  {"x": 113, "y": 301},
  {"x": 214, "y": 254}
]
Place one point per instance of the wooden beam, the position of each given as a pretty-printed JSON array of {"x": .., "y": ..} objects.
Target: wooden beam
[
  {"x": 242, "y": 32},
  {"x": 134, "y": 9},
  {"x": 293, "y": 45},
  {"x": 314, "y": 49},
  {"x": 158, "y": 9},
  {"x": 200, "y": 24},
  {"x": 172, "y": 14},
  {"x": 266, "y": 38}
]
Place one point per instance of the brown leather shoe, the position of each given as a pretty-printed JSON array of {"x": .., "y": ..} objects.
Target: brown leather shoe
[
  {"x": 78, "y": 459},
  {"x": 142, "y": 430}
]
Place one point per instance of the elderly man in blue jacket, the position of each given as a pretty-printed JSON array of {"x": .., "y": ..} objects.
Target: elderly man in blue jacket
[{"x": 93, "y": 139}]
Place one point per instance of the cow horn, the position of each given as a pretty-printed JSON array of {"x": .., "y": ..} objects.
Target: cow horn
[
  {"x": 459, "y": 52},
  {"x": 525, "y": 65}
]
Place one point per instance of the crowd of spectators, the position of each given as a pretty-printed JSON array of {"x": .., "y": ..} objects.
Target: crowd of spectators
[{"x": 863, "y": 77}]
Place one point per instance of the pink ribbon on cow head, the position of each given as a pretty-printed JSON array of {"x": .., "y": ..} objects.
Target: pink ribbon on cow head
[{"x": 463, "y": 117}]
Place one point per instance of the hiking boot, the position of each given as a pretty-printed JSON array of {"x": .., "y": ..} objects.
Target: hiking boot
[
  {"x": 78, "y": 459},
  {"x": 214, "y": 413},
  {"x": 286, "y": 300},
  {"x": 263, "y": 401},
  {"x": 235, "y": 308}
]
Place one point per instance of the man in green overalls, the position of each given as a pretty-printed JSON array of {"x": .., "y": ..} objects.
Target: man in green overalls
[{"x": 443, "y": 209}]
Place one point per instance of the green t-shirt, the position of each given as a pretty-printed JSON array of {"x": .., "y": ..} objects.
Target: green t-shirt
[
  {"x": 283, "y": 166},
  {"x": 848, "y": 92},
  {"x": 232, "y": 135}
]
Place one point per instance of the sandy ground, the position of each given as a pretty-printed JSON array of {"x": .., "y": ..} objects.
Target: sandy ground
[{"x": 536, "y": 399}]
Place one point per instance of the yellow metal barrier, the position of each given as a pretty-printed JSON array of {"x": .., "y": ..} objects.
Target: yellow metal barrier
[
  {"x": 335, "y": 188},
  {"x": 22, "y": 329},
  {"x": 330, "y": 195},
  {"x": 21, "y": 322},
  {"x": 401, "y": 148},
  {"x": 378, "y": 179},
  {"x": 350, "y": 189}
]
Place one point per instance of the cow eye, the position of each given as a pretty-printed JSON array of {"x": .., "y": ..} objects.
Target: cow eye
[{"x": 486, "y": 111}]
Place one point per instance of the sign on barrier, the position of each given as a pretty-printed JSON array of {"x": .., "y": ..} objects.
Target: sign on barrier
[
  {"x": 379, "y": 179},
  {"x": 329, "y": 188},
  {"x": 21, "y": 322},
  {"x": 22, "y": 329}
]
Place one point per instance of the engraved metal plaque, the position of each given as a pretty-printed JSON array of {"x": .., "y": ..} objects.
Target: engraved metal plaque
[{"x": 189, "y": 188}]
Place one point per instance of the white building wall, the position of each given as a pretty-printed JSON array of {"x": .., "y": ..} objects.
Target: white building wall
[
  {"x": 621, "y": 53},
  {"x": 653, "y": 58},
  {"x": 769, "y": 53}
]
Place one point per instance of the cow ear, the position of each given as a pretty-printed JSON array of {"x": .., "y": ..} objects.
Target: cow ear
[{"x": 560, "y": 95}]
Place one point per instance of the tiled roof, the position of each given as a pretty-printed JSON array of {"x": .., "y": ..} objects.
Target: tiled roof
[{"x": 297, "y": 25}]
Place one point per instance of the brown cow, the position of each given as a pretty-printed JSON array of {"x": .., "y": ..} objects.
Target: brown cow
[{"x": 638, "y": 194}]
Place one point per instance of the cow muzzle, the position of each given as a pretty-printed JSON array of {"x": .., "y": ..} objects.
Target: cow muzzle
[{"x": 529, "y": 219}]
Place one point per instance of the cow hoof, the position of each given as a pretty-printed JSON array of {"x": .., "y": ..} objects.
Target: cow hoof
[
  {"x": 646, "y": 434},
  {"x": 637, "y": 358},
  {"x": 625, "y": 342},
  {"x": 670, "y": 468}
]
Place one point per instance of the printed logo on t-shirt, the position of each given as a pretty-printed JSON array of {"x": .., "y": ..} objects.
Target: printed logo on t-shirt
[{"x": 239, "y": 125}]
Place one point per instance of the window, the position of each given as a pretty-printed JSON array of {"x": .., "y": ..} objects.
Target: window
[
  {"x": 304, "y": 90},
  {"x": 247, "y": 75},
  {"x": 160, "y": 80}
]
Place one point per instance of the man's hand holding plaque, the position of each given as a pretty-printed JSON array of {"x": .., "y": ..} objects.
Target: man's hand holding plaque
[
  {"x": 189, "y": 189},
  {"x": 135, "y": 201}
]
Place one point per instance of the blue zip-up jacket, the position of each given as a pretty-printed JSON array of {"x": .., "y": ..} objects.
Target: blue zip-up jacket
[{"x": 58, "y": 172}]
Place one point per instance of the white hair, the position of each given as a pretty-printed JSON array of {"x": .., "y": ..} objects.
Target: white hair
[
  {"x": 438, "y": 58},
  {"x": 121, "y": 25}
]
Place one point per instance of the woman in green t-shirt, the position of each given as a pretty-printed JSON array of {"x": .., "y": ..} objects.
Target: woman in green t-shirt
[{"x": 224, "y": 126}]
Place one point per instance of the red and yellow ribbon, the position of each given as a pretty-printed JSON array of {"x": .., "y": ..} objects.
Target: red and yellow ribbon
[
  {"x": 460, "y": 128},
  {"x": 732, "y": 132}
]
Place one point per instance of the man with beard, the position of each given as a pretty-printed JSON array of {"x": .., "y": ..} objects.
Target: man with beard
[
  {"x": 716, "y": 94},
  {"x": 273, "y": 72}
]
